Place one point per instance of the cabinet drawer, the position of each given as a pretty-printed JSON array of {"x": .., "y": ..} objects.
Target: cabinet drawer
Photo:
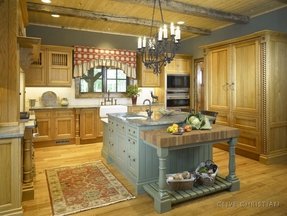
[
  {"x": 120, "y": 127},
  {"x": 44, "y": 114},
  {"x": 64, "y": 113},
  {"x": 132, "y": 131},
  {"x": 132, "y": 145},
  {"x": 132, "y": 164}
]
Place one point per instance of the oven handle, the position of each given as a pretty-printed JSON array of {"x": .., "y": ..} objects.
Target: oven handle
[{"x": 176, "y": 97}]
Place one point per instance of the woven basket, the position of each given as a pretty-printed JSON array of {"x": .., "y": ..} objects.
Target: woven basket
[
  {"x": 185, "y": 184},
  {"x": 205, "y": 178}
]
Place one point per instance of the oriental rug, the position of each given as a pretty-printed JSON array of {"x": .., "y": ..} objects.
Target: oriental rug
[{"x": 82, "y": 187}]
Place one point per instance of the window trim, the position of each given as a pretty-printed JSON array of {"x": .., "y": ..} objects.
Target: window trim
[{"x": 78, "y": 94}]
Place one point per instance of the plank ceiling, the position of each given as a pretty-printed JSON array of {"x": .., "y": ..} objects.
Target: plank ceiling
[{"x": 133, "y": 17}]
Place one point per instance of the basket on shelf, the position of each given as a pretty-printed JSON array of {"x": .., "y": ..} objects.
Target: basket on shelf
[
  {"x": 177, "y": 182},
  {"x": 206, "y": 173}
]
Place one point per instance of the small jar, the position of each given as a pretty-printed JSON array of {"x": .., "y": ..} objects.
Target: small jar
[{"x": 64, "y": 102}]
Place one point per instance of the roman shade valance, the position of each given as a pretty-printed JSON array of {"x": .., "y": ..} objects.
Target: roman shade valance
[{"x": 86, "y": 58}]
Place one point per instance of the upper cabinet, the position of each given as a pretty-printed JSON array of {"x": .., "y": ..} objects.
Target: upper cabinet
[
  {"x": 145, "y": 76},
  {"x": 181, "y": 64},
  {"x": 53, "y": 68}
]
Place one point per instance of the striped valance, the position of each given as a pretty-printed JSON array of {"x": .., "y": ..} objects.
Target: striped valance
[{"x": 86, "y": 58}]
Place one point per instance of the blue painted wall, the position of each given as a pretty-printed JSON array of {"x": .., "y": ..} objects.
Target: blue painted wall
[{"x": 276, "y": 20}]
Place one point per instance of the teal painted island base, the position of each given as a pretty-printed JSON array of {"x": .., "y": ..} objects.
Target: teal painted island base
[
  {"x": 161, "y": 141},
  {"x": 142, "y": 150}
]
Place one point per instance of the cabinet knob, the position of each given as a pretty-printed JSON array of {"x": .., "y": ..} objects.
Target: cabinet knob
[{"x": 134, "y": 160}]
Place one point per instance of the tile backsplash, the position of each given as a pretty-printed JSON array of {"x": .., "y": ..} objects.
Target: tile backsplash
[{"x": 69, "y": 93}]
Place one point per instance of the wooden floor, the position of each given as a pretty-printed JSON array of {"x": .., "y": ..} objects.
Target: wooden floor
[{"x": 263, "y": 187}]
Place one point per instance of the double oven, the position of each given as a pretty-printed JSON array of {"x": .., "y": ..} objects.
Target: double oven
[{"x": 178, "y": 92}]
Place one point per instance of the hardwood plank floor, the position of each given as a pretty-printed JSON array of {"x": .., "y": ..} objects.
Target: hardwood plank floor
[{"x": 263, "y": 189}]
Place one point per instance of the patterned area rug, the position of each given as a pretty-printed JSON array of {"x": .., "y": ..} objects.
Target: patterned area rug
[{"x": 83, "y": 187}]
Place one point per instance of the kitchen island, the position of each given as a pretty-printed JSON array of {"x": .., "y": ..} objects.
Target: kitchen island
[{"x": 144, "y": 153}]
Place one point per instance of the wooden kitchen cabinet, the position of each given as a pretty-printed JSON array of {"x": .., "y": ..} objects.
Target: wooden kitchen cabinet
[
  {"x": 53, "y": 68},
  {"x": 233, "y": 82},
  {"x": 181, "y": 64},
  {"x": 145, "y": 76},
  {"x": 245, "y": 86},
  {"x": 55, "y": 125},
  {"x": 91, "y": 126}
]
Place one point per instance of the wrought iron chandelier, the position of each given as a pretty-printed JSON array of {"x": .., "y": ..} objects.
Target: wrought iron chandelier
[{"x": 158, "y": 50}]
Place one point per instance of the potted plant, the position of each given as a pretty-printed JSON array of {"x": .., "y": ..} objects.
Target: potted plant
[{"x": 133, "y": 92}]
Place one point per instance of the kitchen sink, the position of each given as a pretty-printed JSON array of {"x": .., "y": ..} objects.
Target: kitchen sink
[
  {"x": 106, "y": 109},
  {"x": 136, "y": 117}
]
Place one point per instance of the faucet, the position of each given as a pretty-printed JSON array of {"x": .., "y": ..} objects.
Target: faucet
[
  {"x": 148, "y": 111},
  {"x": 108, "y": 99}
]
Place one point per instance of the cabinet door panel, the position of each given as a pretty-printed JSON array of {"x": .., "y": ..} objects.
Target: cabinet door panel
[
  {"x": 44, "y": 129},
  {"x": 88, "y": 124},
  {"x": 35, "y": 75},
  {"x": 59, "y": 67},
  {"x": 64, "y": 128},
  {"x": 246, "y": 79},
  {"x": 219, "y": 79}
]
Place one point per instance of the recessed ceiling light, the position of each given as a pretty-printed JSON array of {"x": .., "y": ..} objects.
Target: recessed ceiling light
[
  {"x": 46, "y": 1},
  {"x": 55, "y": 15},
  {"x": 180, "y": 22}
]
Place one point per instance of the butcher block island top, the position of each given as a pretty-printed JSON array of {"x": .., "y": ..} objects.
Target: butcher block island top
[{"x": 161, "y": 138}]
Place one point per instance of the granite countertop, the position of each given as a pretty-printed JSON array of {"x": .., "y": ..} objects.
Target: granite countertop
[
  {"x": 7, "y": 132},
  {"x": 90, "y": 106},
  {"x": 141, "y": 119}
]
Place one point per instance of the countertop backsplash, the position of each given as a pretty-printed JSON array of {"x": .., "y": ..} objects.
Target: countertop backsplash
[{"x": 69, "y": 93}]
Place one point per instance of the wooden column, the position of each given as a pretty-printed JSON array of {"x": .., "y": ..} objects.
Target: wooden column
[
  {"x": 78, "y": 126},
  {"x": 232, "y": 175},
  {"x": 28, "y": 186},
  {"x": 162, "y": 202},
  {"x": 9, "y": 64}
]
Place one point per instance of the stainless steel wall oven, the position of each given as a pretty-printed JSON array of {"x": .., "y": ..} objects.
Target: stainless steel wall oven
[{"x": 178, "y": 91}]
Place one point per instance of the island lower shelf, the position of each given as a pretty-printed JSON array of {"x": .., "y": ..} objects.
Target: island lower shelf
[{"x": 179, "y": 196}]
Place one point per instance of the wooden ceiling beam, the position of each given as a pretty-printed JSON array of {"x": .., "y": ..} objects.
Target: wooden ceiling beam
[
  {"x": 180, "y": 7},
  {"x": 72, "y": 12}
]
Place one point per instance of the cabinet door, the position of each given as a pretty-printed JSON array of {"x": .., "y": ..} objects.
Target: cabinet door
[
  {"x": 35, "y": 75},
  {"x": 246, "y": 97},
  {"x": 122, "y": 150},
  {"x": 88, "y": 124},
  {"x": 218, "y": 69},
  {"x": 44, "y": 125},
  {"x": 179, "y": 65},
  {"x": 246, "y": 77},
  {"x": 146, "y": 77},
  {"x": 149, "y": 79},
  {"x": 64, "y": 124},
  {"x": 59, "y": 67}
]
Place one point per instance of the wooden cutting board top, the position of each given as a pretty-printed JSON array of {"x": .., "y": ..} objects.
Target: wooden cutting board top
[{"x": 161, "y": 138}]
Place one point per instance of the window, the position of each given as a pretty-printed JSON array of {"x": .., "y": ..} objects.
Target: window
[{"x": 104, "y": 79}]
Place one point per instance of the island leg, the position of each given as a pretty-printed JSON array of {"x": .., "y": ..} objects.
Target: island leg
[
  {"x": 162, "y": 202},
  {"x": 232, "y": 176}
]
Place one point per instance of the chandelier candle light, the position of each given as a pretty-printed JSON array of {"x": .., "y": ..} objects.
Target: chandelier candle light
[{"x": 159, "y": 50}]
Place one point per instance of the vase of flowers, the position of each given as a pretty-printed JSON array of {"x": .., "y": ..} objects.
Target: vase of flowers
[{"x": 133, "y": 92}]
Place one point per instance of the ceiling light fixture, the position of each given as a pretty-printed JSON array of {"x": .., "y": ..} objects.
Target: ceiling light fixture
[
  {"x": 159, "y": 50},
  {"x": 55, "y": 15},
  {"x": 46, "y": 1}
]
